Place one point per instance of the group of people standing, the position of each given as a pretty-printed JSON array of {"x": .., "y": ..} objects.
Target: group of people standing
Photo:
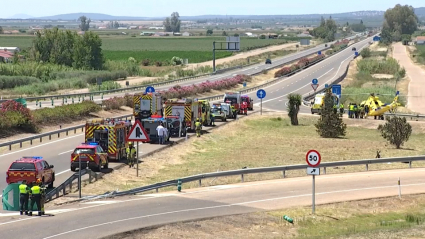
[{"x": 37, "y": 194}]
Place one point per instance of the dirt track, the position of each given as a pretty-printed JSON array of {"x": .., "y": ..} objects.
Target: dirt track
[{"x": 416, "y": 97}]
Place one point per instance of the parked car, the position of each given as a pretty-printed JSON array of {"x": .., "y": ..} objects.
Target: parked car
[
  {"x": 31, "y": 168},
  {"x": 90, "y": 154},
  {"x": 268, "y": 61}
]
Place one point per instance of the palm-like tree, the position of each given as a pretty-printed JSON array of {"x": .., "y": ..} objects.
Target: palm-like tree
[{"x": 294, "y": 103}]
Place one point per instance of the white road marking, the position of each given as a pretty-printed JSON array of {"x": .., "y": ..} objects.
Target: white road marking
[
  {"x": 158, "y": 195},
  {"x": 66, "y": 152},
  {"x": 264, "y": 101},
  {"x": 41, "y": 145},
  {"x": 101, "y": 202},
  {"x": 227, "y": 205},
  {"x": 63, "y": 172}
]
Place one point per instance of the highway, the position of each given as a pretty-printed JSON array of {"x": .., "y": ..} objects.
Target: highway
[
  {"x": 247, "y": 70},
  {"x": 105, "y": 217},
  {"x": 58, "y": 152}
]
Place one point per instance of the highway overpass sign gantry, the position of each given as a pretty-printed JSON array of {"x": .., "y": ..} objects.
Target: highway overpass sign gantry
[
  {"x": 313, "y": 159},
  {"x": 137, "y": 133},
  {"x": 232, "y": 43},
  {"x": 261, "y": 94}
]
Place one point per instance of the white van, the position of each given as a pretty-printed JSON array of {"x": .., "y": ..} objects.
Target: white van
[{"x": 226, "y": 107}]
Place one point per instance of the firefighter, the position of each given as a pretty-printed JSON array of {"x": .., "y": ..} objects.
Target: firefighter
[
  {"x": 131, "y": 154},
  {"x": 24, "y": 191},
  {"x": 36, "y": 197},
  {"x": 198, "y": 127},
  {"x": 356, "y": 111},
  {"x": 351, "y": 111},
  {"x": 341, "y": 108},
  {"x": 335, "y": 109}
]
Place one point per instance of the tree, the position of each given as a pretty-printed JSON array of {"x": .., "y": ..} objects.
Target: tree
[
  {"x": 294, "y": 102},
  {"x": 358, "y": 27},
  {"x": 224, "y": 33},
  {"x": 361, "y": 22},
  {"x": 396, "y": 130},
  {"x": 209, "y": 32},
  {"x": 398, "y": 21},
  {"x": 67, "y": 48},
  {"x": 1, "y": 30},
  {"x": 172, "y": 24},
  {"x": 84, "y": 23},
  {"x": 330, "y": 124}
]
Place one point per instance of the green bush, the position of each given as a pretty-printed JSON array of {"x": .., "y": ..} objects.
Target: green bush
[
  {"x": 10, "y": 82},
  {"x": 108, "y": 85},
  {"x": 34, "y": 69},
  {"x": 14, "y": 116},
  {"x": 365, "y": 53},
  {"x": 373, "y": 66},
  {"x": 43, "y": 88},
  {"x": 65, "y": 113}
]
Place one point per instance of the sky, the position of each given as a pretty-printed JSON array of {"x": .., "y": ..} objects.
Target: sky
[{"x": 161, "y": 8}]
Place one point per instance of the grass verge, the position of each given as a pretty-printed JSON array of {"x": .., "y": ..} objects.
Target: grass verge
[
  {"x": 261, "y": 141},
  {"x": 390, "y": 218}
]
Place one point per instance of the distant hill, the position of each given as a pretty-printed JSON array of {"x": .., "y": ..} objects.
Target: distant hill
[
  {"x": 99, "y": 16},
  {"x": 92, "y": 16},
  {"x": 21, "y": 16}
]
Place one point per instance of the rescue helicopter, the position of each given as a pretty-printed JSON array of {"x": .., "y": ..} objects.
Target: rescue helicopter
[{"x": 374, "y": 107}]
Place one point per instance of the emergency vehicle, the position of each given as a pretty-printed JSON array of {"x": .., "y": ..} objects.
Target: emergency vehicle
[
  {"x": 206, "y": 111},
  {"x": 91, "y": 155},
  {"x": 147, "y": 104},
  {"x": 246, "y": 98},
  {"x": 234, "y": 99},
  {"x": 229, "y": 113},
  {"x": 31, "y": 168},
  {"x": 111, "y": 136},
  {"x": 218, "y": 112},
  {"x": 187, "y": 109},
  {"x": 177, "y": 128},
  {"x": 150, "y": 125}
]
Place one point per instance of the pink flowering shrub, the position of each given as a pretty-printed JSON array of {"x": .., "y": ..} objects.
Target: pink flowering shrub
[{"x": 14, "y": 115}]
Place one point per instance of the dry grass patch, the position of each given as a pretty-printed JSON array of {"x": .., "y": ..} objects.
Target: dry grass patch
[
  {"x": 381, "y": 218},
  {"x": 261, "y": 141}
]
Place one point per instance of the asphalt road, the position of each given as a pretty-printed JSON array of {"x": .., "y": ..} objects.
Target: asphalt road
[
  {"x": 247, "y": 70},
  {"x": 58, "y": 152},
  {"x": 326, "y": 72},
  {"x": 105, "y": 217}
]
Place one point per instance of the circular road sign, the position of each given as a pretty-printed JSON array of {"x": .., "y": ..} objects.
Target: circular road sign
[
  {"x": 261, "y": 93},
  {"x": 313, "y": 158},
  {"x": 150, "y": 89},
  {"x": 314, "y": 81}
]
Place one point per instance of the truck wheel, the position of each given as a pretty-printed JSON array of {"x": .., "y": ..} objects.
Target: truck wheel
[
  {"x": 73, "y": 169},
  {"x": 99, "y": 168},
  {"x": 225, "y": 119},
  {"x": 183, "y": 134}
]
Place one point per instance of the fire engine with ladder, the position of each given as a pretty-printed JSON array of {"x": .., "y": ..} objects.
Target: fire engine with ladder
[{"x": 110, "y": 134}]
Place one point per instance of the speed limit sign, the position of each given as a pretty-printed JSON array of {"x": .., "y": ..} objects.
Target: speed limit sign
[{"x": 313, "y": 158}]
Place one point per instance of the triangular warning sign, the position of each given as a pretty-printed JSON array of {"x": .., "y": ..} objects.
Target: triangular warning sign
[
  {"x": 314, "y": 86},
  {"x": 138, "y": 133}
]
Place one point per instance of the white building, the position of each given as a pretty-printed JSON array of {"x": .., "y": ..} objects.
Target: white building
[
  {"x": 420, "y": 40},
  {"x": 10, "y": 49}
]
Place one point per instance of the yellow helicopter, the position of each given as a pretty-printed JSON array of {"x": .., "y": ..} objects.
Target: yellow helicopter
[{"x": 374, "y": 107}]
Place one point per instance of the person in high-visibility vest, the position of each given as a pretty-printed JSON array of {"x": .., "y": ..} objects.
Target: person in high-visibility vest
[
  {"x": 341, "y": 108},
  {"x": 351, "y": 111},
  {"x": 131, "y": 154},
  {"x": 24, "y": 196},
  {"x": 36, "y": 197},
  {"x": 198, "y": 128},
  {"x": 335, "y": 109},
  {"x": 212, "y": 118}
]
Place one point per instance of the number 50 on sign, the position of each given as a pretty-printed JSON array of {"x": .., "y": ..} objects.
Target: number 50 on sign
[{"x": 313, "y": 158}]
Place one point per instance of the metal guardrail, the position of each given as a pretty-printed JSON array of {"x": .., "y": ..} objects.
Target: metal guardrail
[
  {"x": 140, "y": 87},
  {"x": 243, "y": 172},
  {"x": 75, "y": 128},
  {"x": 49, "y": 134}
]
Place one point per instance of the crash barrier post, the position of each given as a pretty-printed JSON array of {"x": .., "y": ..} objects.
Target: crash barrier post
[
  {"x": 288, "y": 219},
  {"x": 179, "y": 185}
]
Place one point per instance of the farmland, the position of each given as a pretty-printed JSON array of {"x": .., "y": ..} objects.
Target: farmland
[{"x": 196, "y": 49}]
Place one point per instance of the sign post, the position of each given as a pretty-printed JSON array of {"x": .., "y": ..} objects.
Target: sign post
[
  {"x": 337, "y": 90},
  {"x": 314, "y": 84},
  {"x": 150, "y": 89},
  {"x": 137, "y": 134},
  {"x": 313, "y": 159},
  {"x": 261, "y": 94}
]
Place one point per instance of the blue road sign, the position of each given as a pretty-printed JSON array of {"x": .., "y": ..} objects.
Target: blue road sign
[
  {"x": 314, "y": 81},
  {"x": 336, "y": 89},
  {"x": 376, "y": 38},
  {"x": 356, "y": 53},
  {"x": 319, "y": 53},
  {"x": 150, "y": 89},
  {"x": 326, "y": 85},
  {"x": 261, "y": 93}
]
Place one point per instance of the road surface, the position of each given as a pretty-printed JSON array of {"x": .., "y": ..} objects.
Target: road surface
[
  {"x": 58, "y": 152},
  {"x": 105, "y": 217},
  {"x": 247, "y": 70}
]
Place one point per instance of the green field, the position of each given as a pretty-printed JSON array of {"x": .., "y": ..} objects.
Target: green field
[
  {"x": 421, "y": 53},
  {"x": 196, "y": 49}
]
